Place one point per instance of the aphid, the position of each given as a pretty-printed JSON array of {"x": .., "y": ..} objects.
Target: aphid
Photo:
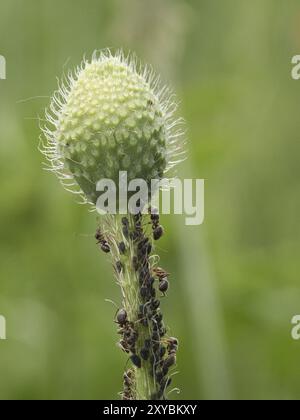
[
  {"x": 142, "y": 253},
  {"x": 122, "y": 247},
  {"x": 162, "y": 331},
  {"x": 145, "y": 353},
  {"x": 135, "y": 263},
  {"x": 144, "y": 292},
  {"x": 137, "y": 217},
  {"x": 150, "y": 281},
  {"x": 142, "y": 243},
  {"x": 162, "y": 351},
  {"x": 144, "y": 322},
  {"x": 119, "y": 266},
  {"x": 138, "y": 226},
  {"x": 158, "y": 317},
  {"x": 160, "y": 393},
  {"x": 121, "y": 317},
  {"x": 136, "y": 360},
  {"x": 125, "y": 228},
  {"x": 165, "y": 370},
  {"x": 163, "y": 285},
  {"x": 142, "y": 310},
  {"x": 144, "y": 272},
  {"x": 147, "y": 343},
  {"x": 158, "y": 233},
  {"x": 155, "y": 336},
  {"x": 155, "y": 327},
  {"x": 148, "y": 249},
  {"x": 155, "y": 346},
  {"x": 134, "y": 236},
  {"x": 159, "y": 376},
  {"x": 157, "y": 229},
  {"x": 128, "y": 378},
  {"x": 102, "y": 241},
  {"x": 155, "y": 304}
]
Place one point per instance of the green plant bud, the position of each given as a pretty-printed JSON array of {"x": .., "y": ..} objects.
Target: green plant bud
[{"x": 110, "y": 118}]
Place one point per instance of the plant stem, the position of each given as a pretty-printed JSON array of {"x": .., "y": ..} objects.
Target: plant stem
[{"x": 143, "y": 334}]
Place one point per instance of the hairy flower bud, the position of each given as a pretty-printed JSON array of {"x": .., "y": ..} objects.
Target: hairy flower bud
[{"x": 110, "y": 118}]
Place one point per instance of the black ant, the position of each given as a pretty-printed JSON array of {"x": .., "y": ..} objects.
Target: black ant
[
  {"x": 129, "y": 339},
  {"x": 102, "y": 241},
  {"x": 135, "y": 263}
]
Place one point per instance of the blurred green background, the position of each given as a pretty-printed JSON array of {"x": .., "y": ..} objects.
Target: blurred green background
[{"x": 235, "y": 280}]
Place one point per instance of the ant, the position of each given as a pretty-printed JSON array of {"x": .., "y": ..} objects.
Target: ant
[
  {"x": 145, "y": 353},
  {"x": 102, "y": 241},
  {"x": 172, "y": 345},
  {"x": 169, "y": 361},
  {"x": 129, "y": 335},
  {"x": 160, "y": 273},
  {"x": 127, "y": 384}
]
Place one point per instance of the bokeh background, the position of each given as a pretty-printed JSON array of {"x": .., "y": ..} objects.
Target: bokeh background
[{"x": 235, "y": 279}]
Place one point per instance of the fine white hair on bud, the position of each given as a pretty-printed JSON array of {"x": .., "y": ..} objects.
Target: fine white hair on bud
[{"x": 110, "y": 115}]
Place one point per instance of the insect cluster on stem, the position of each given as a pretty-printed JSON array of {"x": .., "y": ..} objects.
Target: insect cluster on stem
[{"x": 144, "y": 336}]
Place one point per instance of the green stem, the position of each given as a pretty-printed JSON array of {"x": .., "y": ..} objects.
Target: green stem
[
  {"x": 144, "y": 382},
  {"x": 143, "y": 334}
]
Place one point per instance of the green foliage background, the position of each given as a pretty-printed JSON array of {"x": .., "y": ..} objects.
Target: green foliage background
[{"x": 235, "y": 280}]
